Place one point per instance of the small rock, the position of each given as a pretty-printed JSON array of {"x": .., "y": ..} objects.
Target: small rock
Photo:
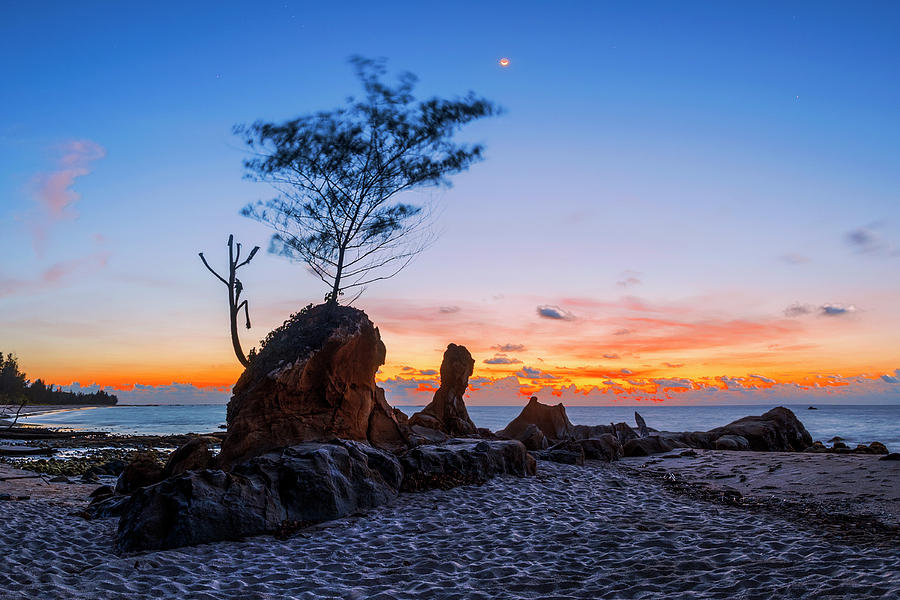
[
  {"x": 60, "y": 479},
  {"x": 891, "y": 456},
  {"x": 878, "y": 448}
]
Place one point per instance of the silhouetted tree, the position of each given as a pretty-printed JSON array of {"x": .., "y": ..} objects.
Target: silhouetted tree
[
  {"x": 235, "y": 304},
  {"x": 13, "y": 384},
  {"x": 338, "y": 174}
]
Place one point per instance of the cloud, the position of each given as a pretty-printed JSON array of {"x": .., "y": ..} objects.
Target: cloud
[
  {"x": 673, "y": 365},
  {"x": 836, "y": 310},
  {"x": 762, "y": 378},
  {"x": 626, "y": 372},
  {"x": 674, "y": 383},
  {"x": 865, "y": 240},
  {"x": 792, "y": 258},
  {"x": 554, "y": 312},
  {"x": 895, "y": 378},
  {"x": 54, "y": 276},
  {"x": 502, "y": 360},
  {"x": 622, "y": 331},
  {"x": 798, "y": 310},
  {"x": 54, "y": 195},
  {"x": 529, "y": 373},
  {"x": 509, "y": 348},
  {"x": 611, "y": 356},
  {"x": 826, "y": 310},
  {"x": 629, "y": 279},
  {"x": 428, "y": 372},
  {"x": 174, "y": 393}
]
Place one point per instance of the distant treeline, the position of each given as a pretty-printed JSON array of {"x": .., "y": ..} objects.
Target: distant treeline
[{"x": 15, "y": 389}]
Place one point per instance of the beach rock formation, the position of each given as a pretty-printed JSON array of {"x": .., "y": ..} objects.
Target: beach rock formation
[
  {"x": 195, "y": 455},
  {"x": 551, "y": 420},
  {"x": 603, "y": 447},
  {"x": 142, "y": 471},
  {"x": 447, "y": 410},
  {"x": 295, "y": 486},
  {"x": 732, "y": 442},
  {"x": 778, "y": 430},
  {"x": 463, "y": 462},
  {"x": 313, "y": 380},
  {"x": 567, "y": 453},
  {"x": 652, "y": 444}
]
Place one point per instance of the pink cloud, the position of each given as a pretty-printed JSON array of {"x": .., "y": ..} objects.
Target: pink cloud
[
  {"x": 54, "y": 194},
  {"x": 53, "y": 276}
]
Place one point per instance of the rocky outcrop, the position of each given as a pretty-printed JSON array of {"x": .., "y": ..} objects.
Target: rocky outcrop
[
  {"x": 778, "y": 430},
  {"x": 143, "y": 470},
  {"x": 732, "y": 442},
  {"x": 447, "y": 410},
  {"x": 603, "y": 447},
  {"x": 292, "y": 487},
  {"x": 313, "y": 380},
  {"x": 533, "y": 438},
  {"x": 463, "y": 462},
  {"x": 652, "y": 444},
  {"x": 568, "y": 453},
  {"x": 551, "y": 420}
]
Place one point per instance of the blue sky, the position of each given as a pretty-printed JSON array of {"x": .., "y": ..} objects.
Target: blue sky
[{"x": 720, "y": 155}]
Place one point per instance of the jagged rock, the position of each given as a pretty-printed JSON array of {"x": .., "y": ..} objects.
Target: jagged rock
[
  {"x": 568, "y": 453},
  {"x": 778, "y": 430},
  {"x": 302, "y": 484},
  {"x": 314, "y": 380},
  {"x": 605, "y": 447},
  {"x": 732, "y": 442},
  {"x": 447, "y": 411},
  {"x": 192, "y": 456},
  {"x": 142, "y": 471},
  {"x": 486, "y": 434},
  {"x": 463, "y": 462},
  {"x": 419, "y": 435},
  {"x": 551, "y": 420},
  {"x": 642, "y": 425},
  {"x": 533, "y": 438}
]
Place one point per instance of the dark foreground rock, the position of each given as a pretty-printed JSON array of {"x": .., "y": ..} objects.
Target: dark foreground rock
[
  {"x": 302, "y": 484},
  {"x": 143, "y": 470},
  {"x": 314, "y": 380},
  {"x": 778, "y": 430},
  {"x": 463, "y": 462},
  {"x": 192, "y": 456},
  {"x": 447, "y": 411}
]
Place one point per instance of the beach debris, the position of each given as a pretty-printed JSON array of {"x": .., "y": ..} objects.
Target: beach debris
[
  {"x": 447, "y": 410},
  {"x": 642, "y": 425},
  {"x": 313, "y": 380}
]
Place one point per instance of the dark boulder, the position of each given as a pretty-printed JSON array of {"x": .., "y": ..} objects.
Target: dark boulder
[
  {"x": 447, "y": 410},
  {"x": 891, "y": 456},
  {"x": 567, "y": 453},
  {"x": 878, "y": 448},
  {"x": 652, "y": 444},
  {"x": 463, "y": 462},
  {"x": 314, "y": 380},
  {"x": 605, "y": 447},
  {"x": 195, "y": 455},
  {"x": 143, "y": 470},
  {"x": 778, "y": 430},
  {"x": 732, "y": 442},
  {"x": 551, "y": 420},
  {"x": 303, "y": 484},
  {"x": 533, "y": 438}
]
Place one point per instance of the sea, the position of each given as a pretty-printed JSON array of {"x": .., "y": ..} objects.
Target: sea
[{"x": 857, "y": 424}]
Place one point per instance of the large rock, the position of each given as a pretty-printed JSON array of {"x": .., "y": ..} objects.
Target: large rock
[
  {"x": 551, "y": 420},
  {"x": 302, "y": 484},
  {"x": 314, "y": 380},
  {"x": 195, "y": 455},
  {"x": 447, "y": 410},
  {"x": 463, "y": 462},
  {"x": 568, "y": 452},
  {"x": 778, "y": 430},
  {"x": 143, "y": 470},
  {"x": 652, "y": 444},
  {"x": 604, "y": 447}
]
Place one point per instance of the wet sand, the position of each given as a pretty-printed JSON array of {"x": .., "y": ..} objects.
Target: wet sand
[{"x": 599, "y": 531}]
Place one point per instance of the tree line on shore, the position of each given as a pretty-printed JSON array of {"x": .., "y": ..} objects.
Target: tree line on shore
[{"x": 17, "y": 390}]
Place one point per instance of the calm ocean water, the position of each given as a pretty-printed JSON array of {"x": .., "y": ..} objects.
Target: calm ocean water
[{"x": 857, "y": 424}]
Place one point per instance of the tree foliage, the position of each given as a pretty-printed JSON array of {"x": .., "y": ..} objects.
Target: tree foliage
[{"x": 339, "y": 174}]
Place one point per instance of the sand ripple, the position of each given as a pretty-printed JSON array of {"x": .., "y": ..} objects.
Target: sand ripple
[{"x": 571, "y": 532}]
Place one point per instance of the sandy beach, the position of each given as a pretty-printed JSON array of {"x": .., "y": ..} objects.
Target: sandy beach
[{"x": 598, "y": 531}]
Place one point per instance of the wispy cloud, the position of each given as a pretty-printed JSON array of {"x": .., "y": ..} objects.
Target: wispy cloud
[
  {"x": 448, "y": 310},
  {"x": 509, "y": 347},
  {"x": 54, "y": 195},
  {"x": 793, "y": 258},
  {"x": 826, "y": 310},
  {"x": 867, "y": 240},
  {"x": 629, "y": 279},
  {"x": 554, "y": 312},
  {"x": 54, "y": 276},
  {"x": 762, "y": 378},
  {"x": 502, "y": 360},
  {"x": 530, "y": 373}
]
